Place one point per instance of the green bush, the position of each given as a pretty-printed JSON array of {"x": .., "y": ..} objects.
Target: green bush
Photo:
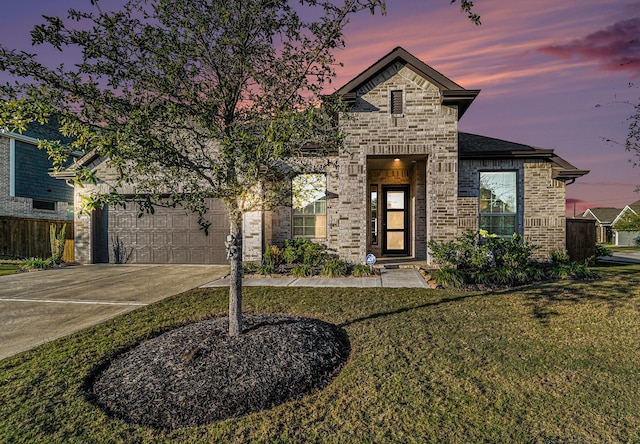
[
  {"x": 249, "y": 268},
  {"x": 361, "y": 270},
  {"x": 601, "y": 250},
  {"x": 302, "y": 270},
  {"x": 35, "y": 263},
  {"x": 449, "y": 277},
  {"x": 482, "y": 259},
  {"x": 272, "y": 257},
  {"x": 265, "y": 269},
  {"x": 334, "y": 268}
]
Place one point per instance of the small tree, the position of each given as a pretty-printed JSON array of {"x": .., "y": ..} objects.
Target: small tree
[
  {"x": 57, "y": 241},
  {"x": 190, "y": 99},
  {"x": 628, "y": 222}
]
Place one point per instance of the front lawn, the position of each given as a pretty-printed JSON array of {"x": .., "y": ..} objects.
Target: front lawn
[
  {"x": 553, "y": 362},
  {"x": 9, "y": 266}
]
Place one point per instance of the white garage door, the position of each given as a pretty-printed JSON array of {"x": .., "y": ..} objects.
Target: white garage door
[{"x": 169, "y": 236}]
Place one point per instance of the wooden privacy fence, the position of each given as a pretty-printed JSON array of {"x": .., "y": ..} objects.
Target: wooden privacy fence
[
  {"x": 581, "y": 239},
  {"x": 25, "y": 237}
]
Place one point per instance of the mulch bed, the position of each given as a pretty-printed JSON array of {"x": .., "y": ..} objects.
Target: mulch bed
[{"x": 198, "y": 374}]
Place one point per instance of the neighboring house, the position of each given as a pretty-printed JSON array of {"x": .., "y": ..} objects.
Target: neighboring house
[
  {"x": 604, "y": 218},
  {"x": 406, "y": 176},
  {"x": 26, "y": 188},
  {"x": 624, "y": 237}
]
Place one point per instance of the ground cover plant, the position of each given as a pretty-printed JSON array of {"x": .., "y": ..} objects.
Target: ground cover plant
[{"x": 550, "y": 362}]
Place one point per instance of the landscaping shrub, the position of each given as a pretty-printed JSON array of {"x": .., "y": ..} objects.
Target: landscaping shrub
[
  {"x": 249, "y": 268},
  {"x": 601, "y": 250},
  {"x": 302, "y": 270},
  {"x": 482, "y": 259},
  {"x": 478, "y": 259},
  {"x": 334, "y": 268},
  {"x": 563, "y": 268},
  {"x": 35, "y": 263},
  {"x": 361, "y": 270}
]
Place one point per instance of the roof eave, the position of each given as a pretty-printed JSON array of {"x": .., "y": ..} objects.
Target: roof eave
[{"x": 462, "y": 99}]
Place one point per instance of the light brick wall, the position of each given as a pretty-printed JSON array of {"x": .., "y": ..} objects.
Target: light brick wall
[
  {"x": 427, "y": 131},
  {"x": 544, "y": 211},
  {"x": 541, "y": 201}
]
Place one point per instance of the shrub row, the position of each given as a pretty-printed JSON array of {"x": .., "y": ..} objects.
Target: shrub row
[
  {"x": 482, "y": 260},
  {"x": 303, "y": 258}
]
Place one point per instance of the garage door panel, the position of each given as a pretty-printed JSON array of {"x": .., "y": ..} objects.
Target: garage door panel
[
  {"x": 144, "y": 221},
  {"x": 160, "y": 255},
  {"x": 142, "y": 255},
  {"x": 160, "y": 238},
  {"x": 160, "y": 220},
  {"x": 170, "y": 235}
]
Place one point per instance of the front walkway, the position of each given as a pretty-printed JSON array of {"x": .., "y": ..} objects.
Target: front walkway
[{"x": 389, "y": 278}]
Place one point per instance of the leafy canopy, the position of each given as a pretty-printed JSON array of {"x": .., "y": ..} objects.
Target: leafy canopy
[{"x": 188, "y": 98}]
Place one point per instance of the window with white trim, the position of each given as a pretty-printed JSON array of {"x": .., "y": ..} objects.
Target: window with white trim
[
  {"x": 498, "y": 202},
  {"x": 309, "y": 202}
]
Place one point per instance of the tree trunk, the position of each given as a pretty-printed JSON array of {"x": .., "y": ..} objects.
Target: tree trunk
[{"x": 235, "y": 287}]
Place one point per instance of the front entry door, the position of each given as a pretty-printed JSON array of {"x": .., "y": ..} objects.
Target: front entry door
[{"x": 395, "y": 220}]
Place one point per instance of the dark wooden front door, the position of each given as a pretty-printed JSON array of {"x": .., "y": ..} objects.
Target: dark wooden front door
[{"x": 395, "y": 220}]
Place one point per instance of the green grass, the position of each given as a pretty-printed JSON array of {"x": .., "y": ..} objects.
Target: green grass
[
  {"x": 9, "y": 266},
  {"x": 554, "y": 362}
]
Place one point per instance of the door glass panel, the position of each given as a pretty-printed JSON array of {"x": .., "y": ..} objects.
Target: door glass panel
[
  {"x": 395, "y": 240},
  {"x": 395, "y": 220},
  {"x": 395, "y": 200}
]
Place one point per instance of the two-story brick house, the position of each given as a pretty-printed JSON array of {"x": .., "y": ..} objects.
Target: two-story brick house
[{"x": 405, "y": 176}]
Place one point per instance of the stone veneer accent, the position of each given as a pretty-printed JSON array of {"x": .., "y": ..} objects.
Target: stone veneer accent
[{"x": 16, "y": 206}]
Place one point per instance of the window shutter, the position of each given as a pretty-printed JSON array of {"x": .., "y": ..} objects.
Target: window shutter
[{"x": 396, "y": 102}]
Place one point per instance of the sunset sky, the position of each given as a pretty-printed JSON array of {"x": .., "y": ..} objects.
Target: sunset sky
[{"x": 553, "y": 74}]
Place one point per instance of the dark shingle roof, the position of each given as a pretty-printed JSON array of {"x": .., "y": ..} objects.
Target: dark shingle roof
[
  {"x": 605, "y": 215},
  {"x": 473, "y": 146}
]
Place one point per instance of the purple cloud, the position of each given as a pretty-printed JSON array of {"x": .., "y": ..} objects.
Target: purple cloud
[{"x": 616, "y": 48}]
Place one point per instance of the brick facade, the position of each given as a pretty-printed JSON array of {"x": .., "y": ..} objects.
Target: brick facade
[
  {"x": 420, "y": 150},
  {"x": 541, "y": 200}
]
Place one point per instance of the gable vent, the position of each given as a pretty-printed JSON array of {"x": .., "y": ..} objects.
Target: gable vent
[{"x": 396, "y": 102}]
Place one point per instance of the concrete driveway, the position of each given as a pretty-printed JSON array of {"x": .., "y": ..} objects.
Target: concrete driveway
[{"x": 41, "y": 306}]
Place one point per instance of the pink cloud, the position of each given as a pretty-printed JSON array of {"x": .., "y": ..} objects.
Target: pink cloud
[{"x": 616, "y": 48}]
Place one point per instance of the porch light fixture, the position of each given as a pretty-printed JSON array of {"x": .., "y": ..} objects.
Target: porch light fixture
[{"x": 397, "y": 159}]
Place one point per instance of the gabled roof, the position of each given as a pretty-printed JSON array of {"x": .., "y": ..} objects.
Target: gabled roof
[
  {"x": 602, "y": 215},
  {"x": 473, "y": 146},
  {"x": 634, "y": 208},
  {"x": 452, "y": 93}
]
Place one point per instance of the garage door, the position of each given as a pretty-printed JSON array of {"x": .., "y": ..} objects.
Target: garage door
[{"x": 169, "y": 236}]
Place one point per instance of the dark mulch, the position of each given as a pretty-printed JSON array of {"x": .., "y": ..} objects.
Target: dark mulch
[{"x": 198, "y": 374}]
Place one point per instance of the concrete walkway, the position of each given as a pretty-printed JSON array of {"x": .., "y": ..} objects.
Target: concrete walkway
[
  {"x": 41, "y": 306},
  {"x": 389, "y": 278}
]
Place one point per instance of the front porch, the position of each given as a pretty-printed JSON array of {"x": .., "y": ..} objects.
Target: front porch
[{"x": 396, "y": 207}]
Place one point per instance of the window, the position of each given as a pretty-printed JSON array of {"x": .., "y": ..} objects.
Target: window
[
  {"x": 498, "y": 202},
  {"x": 374, "y": 214},
  {"x": 44, "y": 205},
  {"x": 396, "y": 102},
  {"x": 309, "y": 201}
]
